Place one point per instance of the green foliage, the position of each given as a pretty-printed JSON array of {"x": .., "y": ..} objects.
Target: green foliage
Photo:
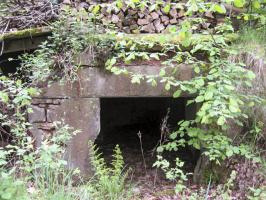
[
  {"x": 15, "y": 97},
  {"x": 50, "y": 167},
  {"x": 216, "y": 85},
  {"x": 251, "y": 40},
  {"x": 58, "y": 57},
  {"x": 44, "y": 165},
  {"x": 11, "y": 188},
  {"x": 109, "y": 182},
  {"x": 172, "y": 173}
]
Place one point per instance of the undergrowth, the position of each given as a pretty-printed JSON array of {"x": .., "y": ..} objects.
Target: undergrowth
[{"x": 109, "y": 182}]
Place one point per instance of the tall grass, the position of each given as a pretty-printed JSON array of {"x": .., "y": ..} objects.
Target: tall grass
[{"x": 252, "y": 40}]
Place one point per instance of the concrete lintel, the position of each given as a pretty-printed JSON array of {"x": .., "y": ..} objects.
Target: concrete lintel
[
  {"x": 23, "y": 44},
  {"x": 96, "y": 82}
]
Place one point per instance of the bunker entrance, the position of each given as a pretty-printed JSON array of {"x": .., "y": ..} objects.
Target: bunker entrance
[{"x": 136, "y": 125}]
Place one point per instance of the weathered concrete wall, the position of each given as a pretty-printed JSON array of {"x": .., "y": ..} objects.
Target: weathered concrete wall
[
  {"x": 78, "y": 105},
  {"x": 96, "y": 82},
  {"x": 82, "y": 114}
]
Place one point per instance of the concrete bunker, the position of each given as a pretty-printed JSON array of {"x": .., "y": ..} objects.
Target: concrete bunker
[
  {"x": 84, "y": 105},
  {"x": 88, "y": 105},
  {"x": 139, "y": 123}
]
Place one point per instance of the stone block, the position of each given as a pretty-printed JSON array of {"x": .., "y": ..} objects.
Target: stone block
[
  {"x": 38, "y": 135},
  {"x": 37, "y": 115},
  {"x": 37, "y": 101},
  {"x": 60, "y": 90},
  {"x": 52, "y": 113}
]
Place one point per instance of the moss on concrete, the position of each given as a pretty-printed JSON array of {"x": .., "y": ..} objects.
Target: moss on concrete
[
  {"x": 170, "y": 38},
  {"x": 32, "y": 32},
  {"x": 160, "y": 38}
]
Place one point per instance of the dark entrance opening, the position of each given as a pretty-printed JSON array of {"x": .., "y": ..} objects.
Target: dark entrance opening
[{"x": 123, "y": 118}]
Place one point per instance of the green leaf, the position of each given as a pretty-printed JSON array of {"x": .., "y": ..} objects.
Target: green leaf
[
  {"x": 246, "y": 17},
  {"x": 119, "y": 4},
  {"x": 251, "y": 104},
  {"x": 167, "y": 86},
  {"x": 239, "y": 3},
  {"x": 229, "y": 87},
  {"x": 96, "y": 9},
  {"x": 219, "y": 8},
  {"x": 167, "y": 8},
  {"x": 197, "y": 70},
  {"x": 221, "y": 121},
  {"x": 155, "y": 55},
  {"x": 256, "y": 4},
  {"x": 199, "y": 99},
  {"x": 130, "y": 57},
  {"x": 233, "y": 108},
  {"x": 208, "y": 95},
  {"x": 32, "y": 91},
  {"x": 4, "y": 97},
  {"x": 162, "y": 72},
  {"x": 229, "y": 153},
  {"x": 173, "y": 135},
  {"x": 159, "y": 149},
  {"x": 135, "y": 79},
  {"x": 185, "y": 124},
  {"x": 153, "y": 7},
  {"x": 177, "y": 93},
  {"x": 189, "y": 102},
  {"x": 251, "y": 75},
  {"x": 200, "y": 82}
]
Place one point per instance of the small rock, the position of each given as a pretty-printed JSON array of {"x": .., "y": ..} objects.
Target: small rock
[
  {"x": 181, "y": 14},
  {"x": 68, "y": 2},
  {"x": 47, "y": 126},
  {"x": 173, "y": 12},
  {"x": 173, "y": 21},
  {"x": 164, "y": 18},
  {"x": 141, "y": 15},
  {"x": 83, "y": 5},
  {"x": 132, "y": 12},
  {"x": 154, "y": 15},
  {"x": 136, "y": 191},
  {"x": 209, "y": 15},
  {"x": 115, "y": 19},
  {"x": 143, "y": 22},
  {"x": 149, "y": 28},
  {"x": 158, "y": 25}
]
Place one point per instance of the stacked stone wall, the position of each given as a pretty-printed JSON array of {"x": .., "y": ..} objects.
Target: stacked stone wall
[
  {"x": 42, "y": 117},
  {"x": 153, "y": 18}
]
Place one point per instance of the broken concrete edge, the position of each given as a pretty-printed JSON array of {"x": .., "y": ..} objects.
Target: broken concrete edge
[
  {"x": 26, "y": 33},
  {"x": 170, "y": 38}
]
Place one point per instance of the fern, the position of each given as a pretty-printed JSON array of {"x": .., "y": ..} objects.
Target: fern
[{"x": 108, "y": 182}]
